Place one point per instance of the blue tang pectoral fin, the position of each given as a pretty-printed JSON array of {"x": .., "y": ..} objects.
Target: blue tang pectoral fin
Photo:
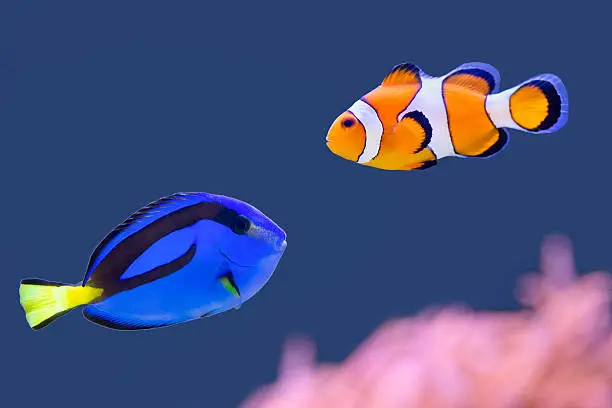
[{"x": 229, "y": 284}]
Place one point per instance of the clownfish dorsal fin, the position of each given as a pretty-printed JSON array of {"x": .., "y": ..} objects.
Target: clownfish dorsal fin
[
  {"x": 403, "y": 74},
  {"x": 475, "y": 76}
]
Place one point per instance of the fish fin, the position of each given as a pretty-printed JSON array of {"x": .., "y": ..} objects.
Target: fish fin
[
  {"x": 427, "y": 165},
  {"x": 425, "y": 159},
  {"x": 421, "y": 165},
  {"x": 229, "y": 284},
  {"x": 403, "y": 74},
  {"x": 213, "y": 312},
  {"x": 140, "y": 219},
  {"x": 414, "y": 127},
  {"x": 44, "y": 301},
  {"x": 476, "y": 76},
  {"x": 98, "y": 315},
  {"x": 540, "y": 104},
  {"x": 494, "y": 142},
  {"x": 419, "y": 161}
]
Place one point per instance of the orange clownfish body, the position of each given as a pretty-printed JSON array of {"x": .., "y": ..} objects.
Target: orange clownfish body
[{"x": 412, "y": 120}]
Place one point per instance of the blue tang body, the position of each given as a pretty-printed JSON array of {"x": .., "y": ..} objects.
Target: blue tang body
[{"x": 180, "y": 258}]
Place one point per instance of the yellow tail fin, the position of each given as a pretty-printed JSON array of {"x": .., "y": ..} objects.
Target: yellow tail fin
[{"x": 45, "y": 301}]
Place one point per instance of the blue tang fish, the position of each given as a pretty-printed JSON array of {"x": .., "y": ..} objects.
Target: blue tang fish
[{"x": 180, "y": 258}]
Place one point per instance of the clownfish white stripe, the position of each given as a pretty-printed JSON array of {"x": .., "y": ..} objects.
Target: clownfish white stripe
[
  {"x": 430, "y": 101},
  {"x": 498, "y": 109},
  {"x": 368, "y": 117}
]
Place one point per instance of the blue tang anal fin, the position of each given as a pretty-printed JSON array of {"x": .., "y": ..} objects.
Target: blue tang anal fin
[
  {"x": 213, "y": 312},
  {"x": 140, "y": 219},
  {"x": 103, "y": 318}
]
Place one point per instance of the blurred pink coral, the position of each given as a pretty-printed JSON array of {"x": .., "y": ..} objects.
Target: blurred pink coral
[{"x": 555, "y": 353}]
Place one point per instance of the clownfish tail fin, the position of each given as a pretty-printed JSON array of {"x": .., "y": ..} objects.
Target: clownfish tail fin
[
  {"x": 45, "y": 301},
  {"x": 538, "y": 105}
]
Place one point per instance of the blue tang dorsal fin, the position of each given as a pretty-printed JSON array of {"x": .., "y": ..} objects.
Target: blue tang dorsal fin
[{"x": 140, "y": 219}]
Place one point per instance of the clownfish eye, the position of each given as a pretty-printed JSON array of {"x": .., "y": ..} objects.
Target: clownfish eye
[
  {"x": 347, "y": 123},
  {"x": 242, "y": 225}
]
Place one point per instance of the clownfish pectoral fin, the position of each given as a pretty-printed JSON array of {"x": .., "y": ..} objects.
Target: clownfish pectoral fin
[
  {"x": 414, "y": 128},
  {"x": 476, "y": 76},
  {"x": 403, "y": 74}
]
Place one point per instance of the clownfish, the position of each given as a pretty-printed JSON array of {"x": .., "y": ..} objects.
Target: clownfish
[
  {"x": 412, "y": 119},
  {"x": 183, "y": 257}
]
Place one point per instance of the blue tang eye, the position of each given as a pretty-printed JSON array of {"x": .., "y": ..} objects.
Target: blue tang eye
[
  {"x": 348, "y": 123},
  {"x": 242, "y": 225}
]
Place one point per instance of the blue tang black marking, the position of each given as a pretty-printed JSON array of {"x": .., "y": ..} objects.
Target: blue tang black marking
[{"x": 182, "y": 257}]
